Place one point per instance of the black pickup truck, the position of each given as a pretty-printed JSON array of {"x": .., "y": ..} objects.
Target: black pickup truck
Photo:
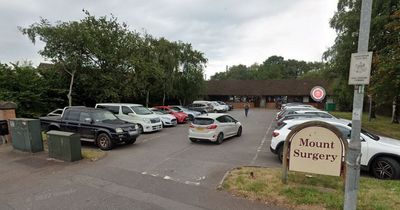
[{"x": 94, "y": 125}]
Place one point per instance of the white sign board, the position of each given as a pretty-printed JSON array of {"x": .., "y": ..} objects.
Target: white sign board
[
  {"x": 360, "y": 68},
  {"x": 316, "y": 150}
]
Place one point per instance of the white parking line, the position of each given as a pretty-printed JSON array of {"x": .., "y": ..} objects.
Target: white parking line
[{"x": 259, "y": 148}]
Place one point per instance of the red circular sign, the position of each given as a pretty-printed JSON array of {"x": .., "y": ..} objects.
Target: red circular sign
[{"x": 317, "y": 93}]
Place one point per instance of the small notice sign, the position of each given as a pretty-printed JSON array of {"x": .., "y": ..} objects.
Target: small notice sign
[{"x": 360, "y": 68}]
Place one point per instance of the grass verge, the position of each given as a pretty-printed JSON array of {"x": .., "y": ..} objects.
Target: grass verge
[
  {"x": 309, "y": 192},
  {"x": 380, "y": 125}
]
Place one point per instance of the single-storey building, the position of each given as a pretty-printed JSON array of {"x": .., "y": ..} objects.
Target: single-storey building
[{"x": 267, "y": 93}]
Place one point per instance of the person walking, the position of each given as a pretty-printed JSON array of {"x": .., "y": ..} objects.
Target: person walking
[{"x": 246, "y": 108}]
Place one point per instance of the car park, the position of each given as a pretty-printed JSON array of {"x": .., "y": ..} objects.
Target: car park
[
  {"x": 214, "y": 127},
  {"x": 146, "y": 120},
  {"x": 181, "y": 117},
  {"x": 166, "y": 118},
  {"x": 379, "y": 155},
  {"x": 93, "y": 125},
  {"x": 191, "y": 113}
]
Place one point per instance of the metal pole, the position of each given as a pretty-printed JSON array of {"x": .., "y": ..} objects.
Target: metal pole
[{"x": 354, "y": 149}]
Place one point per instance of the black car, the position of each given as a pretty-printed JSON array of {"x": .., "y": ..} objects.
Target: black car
[{"x": 94, "y": 125}]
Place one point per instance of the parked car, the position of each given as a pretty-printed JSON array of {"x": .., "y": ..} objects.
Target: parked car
[
  {"x": 217, "y": 107},
  {"x": 181, "y": 117},
  {"x": 146, "y": 120},
  {"x": 208, "y": 106},
  {"x": 94, "y": 125},
  {"x": 214, "y": 127},
  {"x": 202, "y": 108},
  {"x": 294, "y": 116},
  {"x": 190, "y": 113},
  {"x": 291, "y": 110},
  {"x": 166, "y": 118},
  {"x": 230, "y": 106},
  {"x": 380, "y": 155},
  {"x": 56, "y": 112}
]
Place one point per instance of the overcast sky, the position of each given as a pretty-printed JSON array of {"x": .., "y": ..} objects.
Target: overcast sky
[{"x": 228, "y": 32}]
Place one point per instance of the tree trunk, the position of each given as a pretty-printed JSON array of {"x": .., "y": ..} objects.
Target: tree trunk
[
  {"x": 395, "y": 112},
  {"x": 180, "y": 102},
  {"x": 371, "y": 105},
  {"x": 147, "y": 98},
  {"x": 69, "y": 96},
  {"x": 373, "y": 110},
  {"x": 163, "y": 99}
]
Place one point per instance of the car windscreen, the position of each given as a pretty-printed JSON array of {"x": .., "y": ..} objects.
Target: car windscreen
[
  {"x": 176, "y": 109},
  {"x": 141, "y": 110},
  {"x": 371, "y": 135},
  {"x": 203, "y": 121},
  {"x": 101, "y": 116}
]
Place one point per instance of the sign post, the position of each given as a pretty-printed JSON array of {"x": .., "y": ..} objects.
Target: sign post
[{"x": 359, "y": 76}]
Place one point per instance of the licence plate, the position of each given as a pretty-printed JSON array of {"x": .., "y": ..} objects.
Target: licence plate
[
  {"x": 132, "y": 133},
  {"x": 200, "y": 129}
]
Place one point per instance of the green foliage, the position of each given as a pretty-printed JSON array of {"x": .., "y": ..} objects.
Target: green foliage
[
  {"x": 32, "y": 90},
  {"x": 275, "y": 67},
  {"x": 103, "y": 61},
  {"x": 384, "y": 42}
]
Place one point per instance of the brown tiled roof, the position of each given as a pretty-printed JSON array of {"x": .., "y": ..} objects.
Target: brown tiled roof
[{"x": 285, "y": 87}]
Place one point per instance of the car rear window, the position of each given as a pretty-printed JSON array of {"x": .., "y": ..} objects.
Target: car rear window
[{"x": 203, "y": 121}]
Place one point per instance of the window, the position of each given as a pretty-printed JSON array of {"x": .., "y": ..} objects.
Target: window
[
  {"x": 203, "y": 121},
  {"x": 83, "y": 116},
  {"x": 113, "y": 109},
  {"x": 72, "y": 115},
  {"x": 126, "y": 110},
  {"x": 229, "y": 118},
  {"x": 324, "y": 115},
  {"x": 221, "y": 119},
  {"x": 140, "y": 110}
]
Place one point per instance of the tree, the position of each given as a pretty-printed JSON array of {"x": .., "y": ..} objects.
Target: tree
[{"x": 91, "y": 43}]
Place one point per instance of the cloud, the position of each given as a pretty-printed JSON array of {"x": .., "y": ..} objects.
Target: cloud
[{"x": 229, "y": 32}]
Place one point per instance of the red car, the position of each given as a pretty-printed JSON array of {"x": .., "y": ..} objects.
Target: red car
[{"x": 181, "y": 117}]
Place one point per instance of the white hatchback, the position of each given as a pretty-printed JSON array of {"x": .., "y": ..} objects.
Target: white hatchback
[{"x": 214, "y": 127}]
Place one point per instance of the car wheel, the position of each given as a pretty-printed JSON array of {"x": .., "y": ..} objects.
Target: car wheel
[
  {"x": 220, "y": 138},
  {"x": 280, "y": 153},
  {"x": 239, "y": 132},
  {"x": 130, "y": 141},
  {"x": 104, "y": 142},
  {"x": 140, "y": 129},
  {"x": 385, "y": 168}
]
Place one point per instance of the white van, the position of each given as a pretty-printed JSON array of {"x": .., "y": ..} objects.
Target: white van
[{"x": 146, "y": 120}]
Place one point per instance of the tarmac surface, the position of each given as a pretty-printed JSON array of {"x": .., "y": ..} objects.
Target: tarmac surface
[{"x": 162, "y": 170}]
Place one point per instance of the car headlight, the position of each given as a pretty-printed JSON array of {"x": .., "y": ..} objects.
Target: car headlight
[
  {"x": 136, "y": 127},
  {"x": 119, "y": 130},
  {"x": 147, "y": 120}
]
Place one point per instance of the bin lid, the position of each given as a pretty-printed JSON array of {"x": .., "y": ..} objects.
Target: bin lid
[{"x": 60, "y": 133}]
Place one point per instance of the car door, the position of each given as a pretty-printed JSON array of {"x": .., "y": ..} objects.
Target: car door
[
  {"x": 71, "y": 121},
  {"x": 224, "y": 128},
  {"x": 126, "y": 114},
  {"x": 231, "y": 124},
  {"x": 86, "y": 129}
]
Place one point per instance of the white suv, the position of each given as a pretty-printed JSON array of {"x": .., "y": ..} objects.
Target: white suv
[
  {"x": 380, "y": 155},
  {"x": 146, "y": 120}
]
